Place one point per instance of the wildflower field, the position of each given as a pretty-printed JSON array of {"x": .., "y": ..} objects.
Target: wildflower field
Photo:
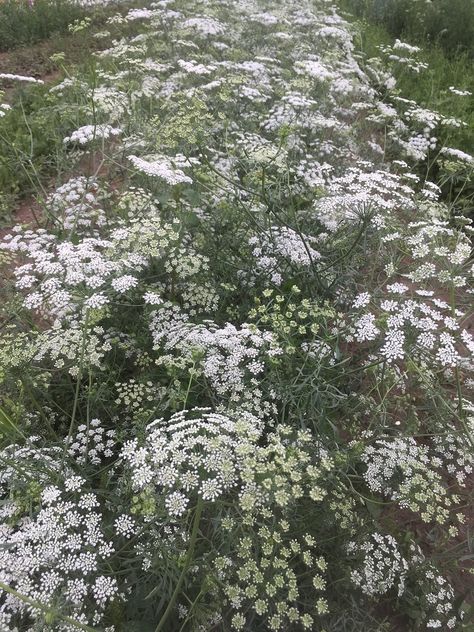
[{"x": 236, "y": 348}]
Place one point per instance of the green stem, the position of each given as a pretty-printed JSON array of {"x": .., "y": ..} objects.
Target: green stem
[
  {"x": 78, "y": 386},
  {"x": 191, "y": 376},
  {"x": 187, "y": 563},
  {"x": 79, "y": 375},
  {"x": 39, "y": 606}
]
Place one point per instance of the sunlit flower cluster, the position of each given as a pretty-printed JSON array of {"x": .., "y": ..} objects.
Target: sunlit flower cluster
[{"x": 237, "y": 352}]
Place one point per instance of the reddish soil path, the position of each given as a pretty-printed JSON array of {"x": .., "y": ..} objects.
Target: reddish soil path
[{"x": 27, "y": 212}]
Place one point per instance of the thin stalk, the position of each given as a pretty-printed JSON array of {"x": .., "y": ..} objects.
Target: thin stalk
[
  {"x": 78, "y": 384},
  {"x": 187, "y": 563},
  {"x": 45, "y": 609}
]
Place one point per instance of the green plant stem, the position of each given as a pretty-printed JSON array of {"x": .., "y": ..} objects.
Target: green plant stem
[
  {"x": 78, "y": 385},
  {"x": 36, "y": 604},
  {"x": 187, "y": 563}
]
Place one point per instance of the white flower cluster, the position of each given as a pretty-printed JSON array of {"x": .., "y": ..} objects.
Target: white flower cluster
[
  {"x": 77, "y": 205},
  {"x": 69, "y": 347},
  {"x": 404, "y": 471},
  {"x": 228, "y": 356},
  {"x": 386, "y": 457},
  {"x": 455, "y": 455},
  {"x": 280, "y": 246},
  {"x": 413, "y": 327},
  {"x": 436, "y": 595},
  {"x": 405, "y": 54},
  {"x": 59, "y": 270},
  {"x": 91, "y": 443},
  {"x": 204, "y": 25},
  {"x": 360, "y": 189},
  {"x": 89, "y": 133},
  {"x": 382, "y": 568},
  {"x": 457, "y": 154},
  {"x": 161, "y": 167},
  {"x": 4, "y": 107},
  {"x": 12, "y": 77},
  {"x": 60, "y": 552},
  {"x": 439, "y": 594},
  {"x": 194, "y": 452}
]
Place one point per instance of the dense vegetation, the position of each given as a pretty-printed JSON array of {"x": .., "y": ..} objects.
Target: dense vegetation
[
  {"x": 443, "y": 65},
  {"x": 236, "y": 365},
  {"x": 445, "y": 23},
  {"x": 29, "y": 21}
]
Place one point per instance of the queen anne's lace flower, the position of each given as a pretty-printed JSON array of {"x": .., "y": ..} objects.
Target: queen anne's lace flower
[
  {"x": 161, "y": 167},
  {"x": 57, "y": 552},
  {"x": 275, "y": 288},
  {"x": 383, "y": 566},
  {"x": 89, "y": 133},
  {"x": 191, "y": 453}
]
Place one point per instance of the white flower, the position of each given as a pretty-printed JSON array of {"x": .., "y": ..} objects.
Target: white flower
[
  {"x": 152, "y": 298},
  {"x": 50, "y": 495},
  {"x": 88, "y": 133},
  {"x": 104, "y": 589},
  {"x": 361, "y": 300},
  {"x": 393, "y": 346},
  {"x": 96, "y": 301},
  {"x": 176, "y": 503},
  {"x": 457, "y": 154},
  {"x": 6, "y": 75},
  {"x": 366, "y": 328},
  {"x": 125, "y": 526},
  {"x": 397, "y": 288},
  {"x": 74, "y": 483},
  {"x": 124, "y": 283},
  {"x": 161, "y": 167},
  {"x": 210, "y": 490}
]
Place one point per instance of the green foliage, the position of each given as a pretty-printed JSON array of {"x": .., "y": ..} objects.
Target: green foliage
[
  {"x": 446, "y": 23},
  {"x": 22, "y": 22},
  {"x": 31, "y": 144},
  {"x": 234, "y": 357},
  {"x": 447, "y": 66},
  {"x": 32, "y": 130},
  {"x": 28, "y": 135}
]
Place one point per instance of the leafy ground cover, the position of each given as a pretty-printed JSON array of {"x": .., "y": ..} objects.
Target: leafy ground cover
[
  {"x": 30, "y": 21},
  {"x": 236, "y": 359},
  {"x": 445, "y": 54},
  {"x": 30, "y": 145},
  {"x": 448, "y": 24}
]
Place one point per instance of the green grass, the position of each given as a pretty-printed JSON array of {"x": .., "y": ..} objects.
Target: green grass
[
  {"x": 446, "y": 67},
  {"x": 430, "y": 88},
  {"x": 448, "y": 24},
  {"x": 31, "y": 134},
  {"x": 22, "y": 23}
]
